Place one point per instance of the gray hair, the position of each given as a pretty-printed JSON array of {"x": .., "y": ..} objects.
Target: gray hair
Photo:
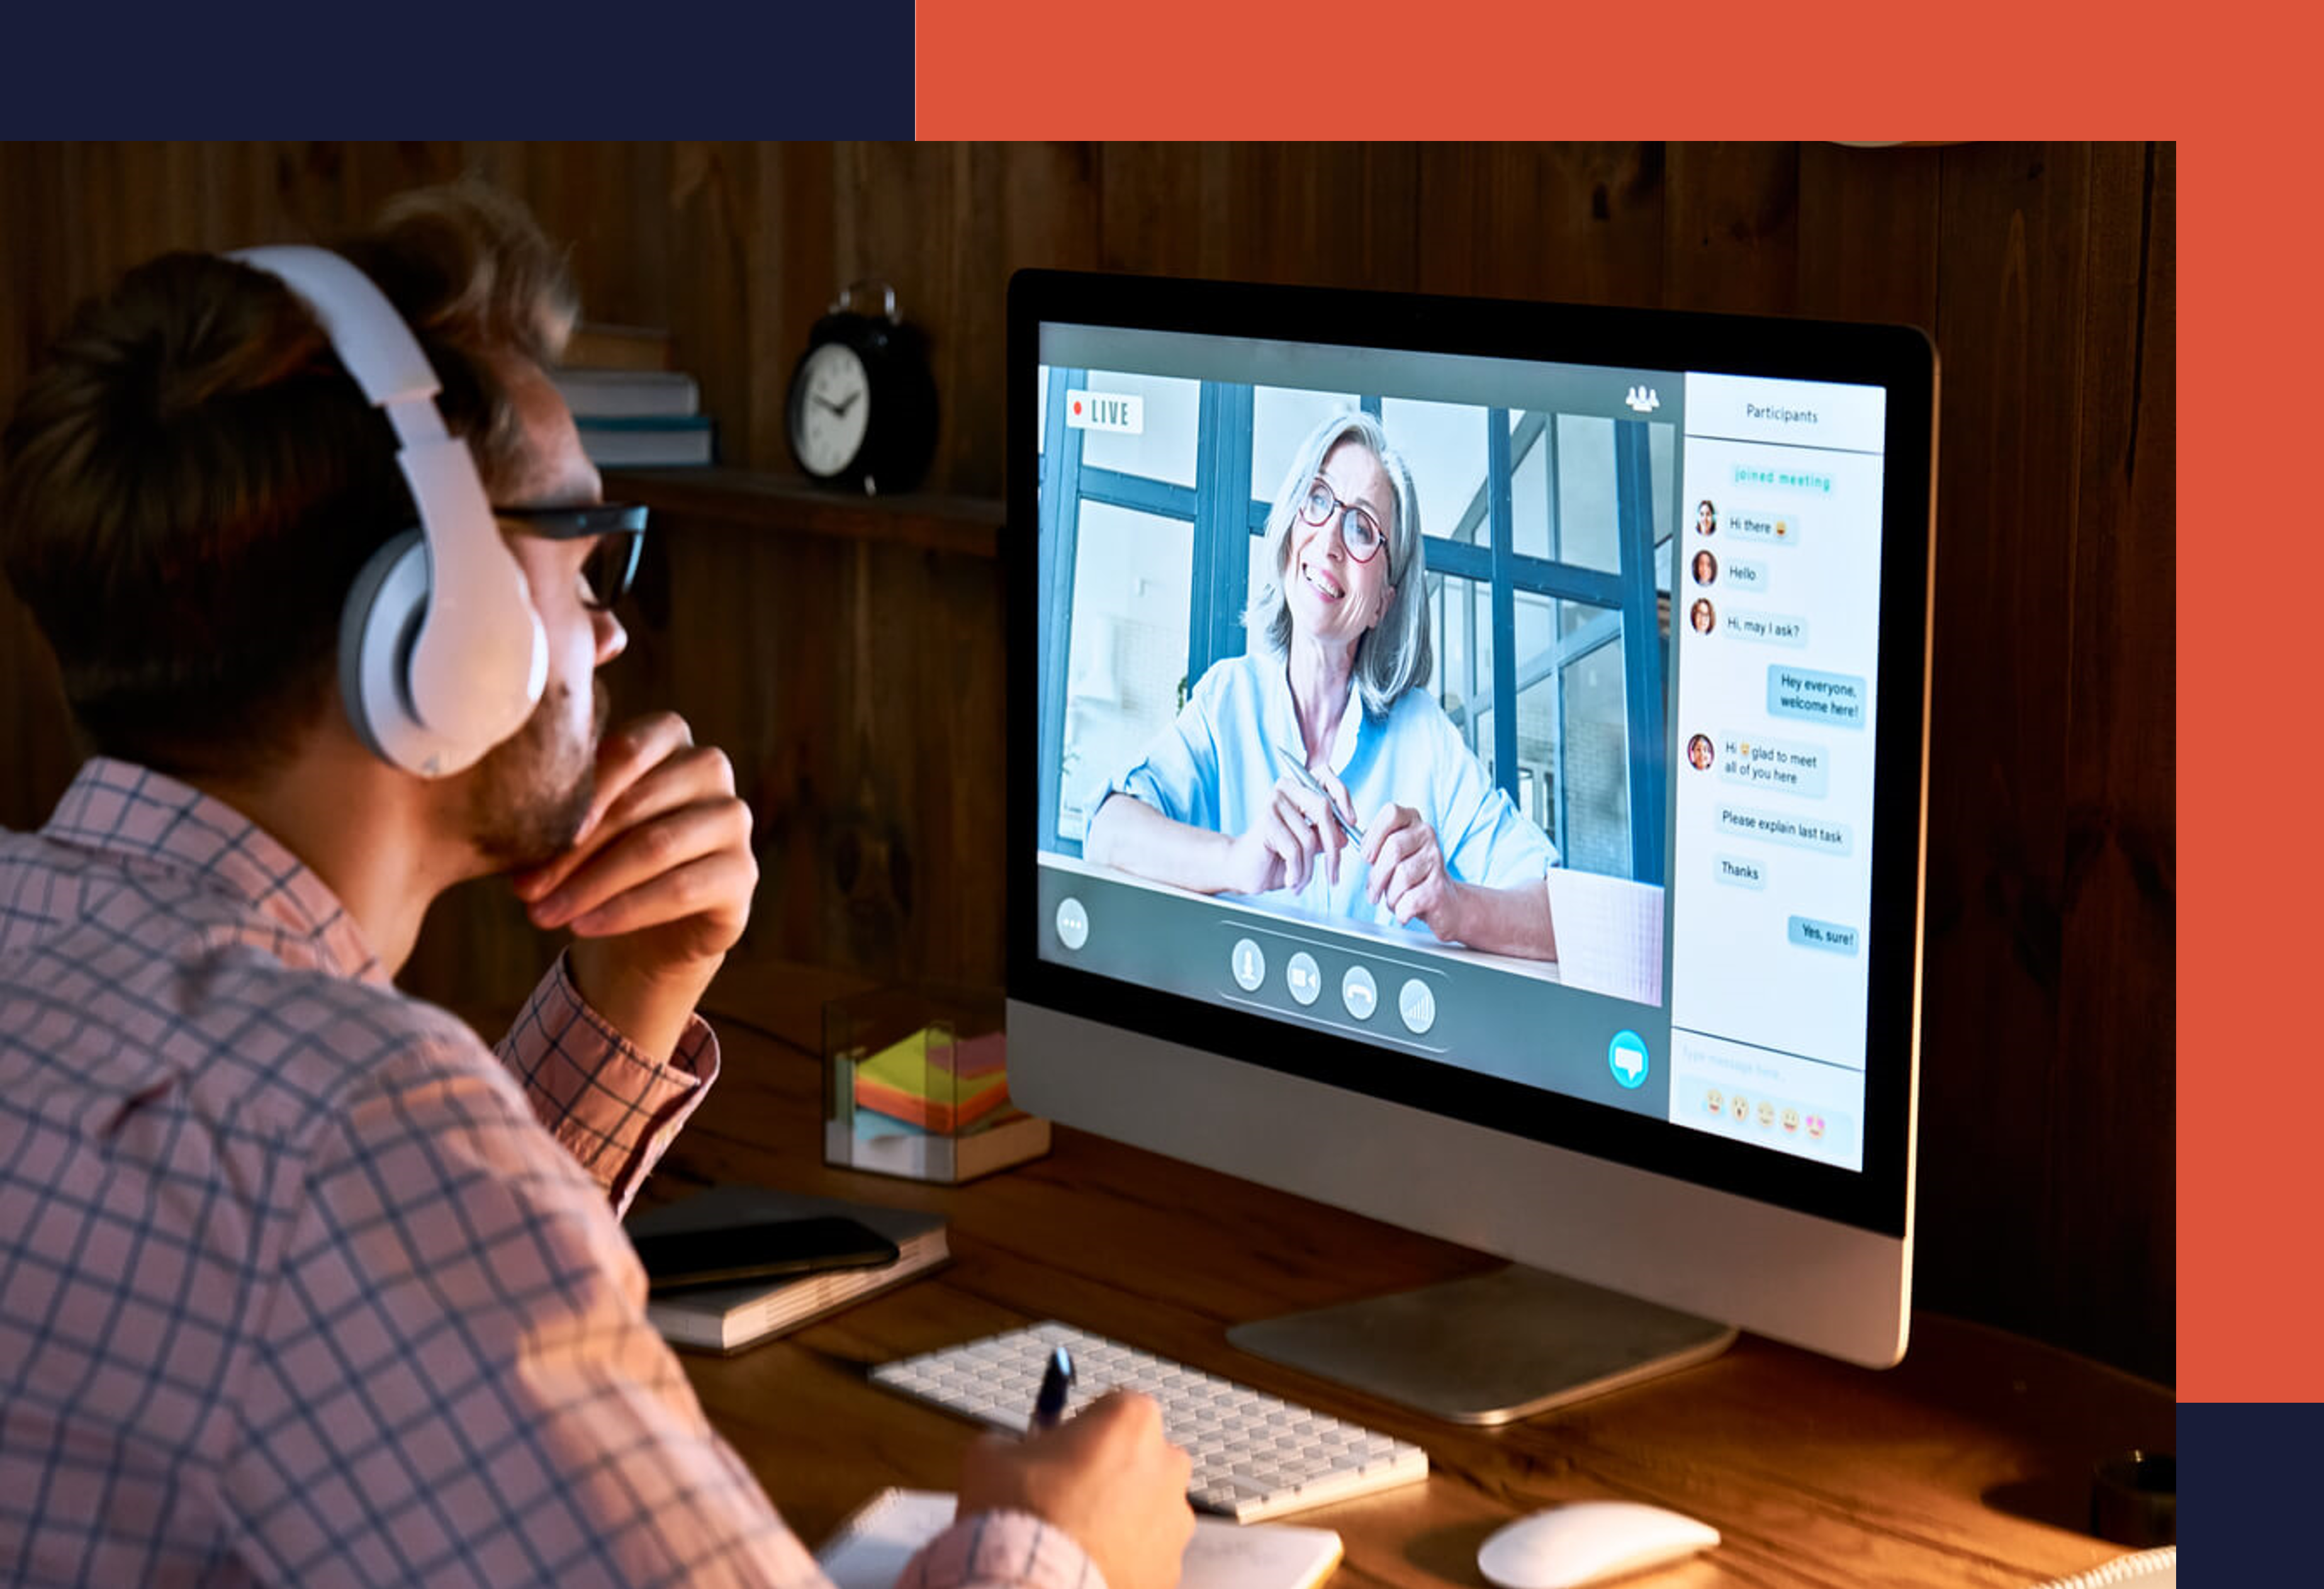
[{"x": 1396, "y": 654}]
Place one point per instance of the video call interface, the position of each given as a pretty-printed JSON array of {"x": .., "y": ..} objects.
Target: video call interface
[{"x": 1601, "y": 636}]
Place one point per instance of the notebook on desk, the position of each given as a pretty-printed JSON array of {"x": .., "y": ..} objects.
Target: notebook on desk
[
  {"x": 873, "y": 1546},
  {"x": 727, "y": 1319}
]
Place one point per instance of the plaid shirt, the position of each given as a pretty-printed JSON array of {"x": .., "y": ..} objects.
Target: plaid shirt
[{"x": 294, "y": 1286}]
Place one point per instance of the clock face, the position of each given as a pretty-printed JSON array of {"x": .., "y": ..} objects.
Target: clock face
[{"x": 831, "y": 407}]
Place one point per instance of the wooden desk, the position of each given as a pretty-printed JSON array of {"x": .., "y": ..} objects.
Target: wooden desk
[{"x": 1967, "y": 1465}]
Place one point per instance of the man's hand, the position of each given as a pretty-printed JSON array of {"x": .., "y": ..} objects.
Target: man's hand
[
  {"x": 1105, "y": 1476},
  {"x": 656, "y": 888}
]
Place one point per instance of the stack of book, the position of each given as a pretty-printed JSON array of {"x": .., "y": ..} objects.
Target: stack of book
[
  {"x": 727, "y": 1319},
  {"x": 633, "y": 410}
]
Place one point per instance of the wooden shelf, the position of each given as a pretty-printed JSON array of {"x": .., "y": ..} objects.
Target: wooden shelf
[{"x": 752, "y": 499}]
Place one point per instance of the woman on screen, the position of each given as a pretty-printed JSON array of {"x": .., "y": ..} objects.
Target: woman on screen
[{"x": 1317, "y": 763}]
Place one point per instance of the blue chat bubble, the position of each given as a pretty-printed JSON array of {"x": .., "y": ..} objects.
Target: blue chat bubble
[
  {"x": 1813, "y": 934},
  {"x": 1776, "y": 528},
  {"x": 1791, "y": 765},
  {"x": 1768, "y": 628},
  {"x": 1744, "y": 574},
  {"x": 1815, "y": 697},
  {"x": 1740, "y": 872},
  {"x": 1806, "y": 833}
]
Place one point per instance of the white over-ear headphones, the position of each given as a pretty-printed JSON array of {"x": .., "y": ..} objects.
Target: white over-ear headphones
[{"x": 441, "y": 655}]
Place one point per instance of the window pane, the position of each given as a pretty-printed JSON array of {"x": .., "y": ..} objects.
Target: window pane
[
  {"x": 1661, "y": 450},
  {"x": 1537, "y": 725},
  {"x": 1166, "y": 451},
  {"x": 1586, "y": 524},
  {"x": 1444, "y": 443},
  {"x": 1125, "y": 672},
  {"x": 1261, "y": 573},
  {"x": 1596, "y": 761},
  {"x": 1460, "y": 619},
  {"x": 1280, "y": 418},
  {"x": 1529, "y": 484}
]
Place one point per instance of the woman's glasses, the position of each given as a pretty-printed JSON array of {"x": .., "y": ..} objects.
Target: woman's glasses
[
  {"x": 619, "y": 528},
  {"x": 1360, "y": 533}
]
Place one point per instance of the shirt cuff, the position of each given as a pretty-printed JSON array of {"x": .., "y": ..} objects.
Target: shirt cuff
[
  {"x": 986, "y": 1549},
  {"x": 612, "y": 1105}
]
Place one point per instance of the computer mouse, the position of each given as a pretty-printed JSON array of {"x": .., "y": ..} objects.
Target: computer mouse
[{"x": 1587, "y": 1541}]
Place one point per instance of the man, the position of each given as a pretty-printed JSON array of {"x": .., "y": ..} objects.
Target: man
[{"x": 299, "y": 1282}]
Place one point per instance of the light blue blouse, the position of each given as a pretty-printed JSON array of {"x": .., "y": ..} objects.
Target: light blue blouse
[{"x": 1215, "y": 768}]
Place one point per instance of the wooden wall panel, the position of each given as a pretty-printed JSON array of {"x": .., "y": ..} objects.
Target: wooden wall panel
[
  {"x": 1868, "y": 233},
  {"x": 1337, "y": 215},
  {"x": 947, "y": 224},
  {"x": 2118, "y": 884},
  {"x": 1574, "y": 223},
  {"x": 2001, "y": 1112},
  {"x": 1730, "y": 227},
  {"x": 859, "y": 685}
]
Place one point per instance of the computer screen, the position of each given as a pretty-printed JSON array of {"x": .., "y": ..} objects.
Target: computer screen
[{"x": 1510, "y": 715}]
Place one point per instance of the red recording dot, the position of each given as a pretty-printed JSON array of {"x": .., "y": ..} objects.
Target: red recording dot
[{"x": 1077, "y": 405}]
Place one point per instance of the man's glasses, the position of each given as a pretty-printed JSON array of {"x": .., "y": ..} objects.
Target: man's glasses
[
  {"x": 1360, "y": 533},
  {"x": 619, "y": 528}
]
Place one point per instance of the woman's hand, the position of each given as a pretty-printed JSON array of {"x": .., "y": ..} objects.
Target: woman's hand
[
  {"x": 1292, "y": 838},
  {"x": 1407, "y": 872}
]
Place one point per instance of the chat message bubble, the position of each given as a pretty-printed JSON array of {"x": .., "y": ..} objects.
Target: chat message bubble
[
  {"x": 1740, "y": 872},
  {"x": 1744, "y": 574},
  {"x": 1791, "y": 765},
  {"x": 1815, "y": 697},
  {"x": 1768, "y": 628},
  {"x": 1776, "y": 528},
  {"x": 1809, "y": 933},
  {"x": 1783, "y": 479},
  {"x": 1806, "y": 833}
]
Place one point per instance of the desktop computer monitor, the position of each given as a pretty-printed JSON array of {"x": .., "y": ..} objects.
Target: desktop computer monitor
[{"x": 1467, "y": 766}]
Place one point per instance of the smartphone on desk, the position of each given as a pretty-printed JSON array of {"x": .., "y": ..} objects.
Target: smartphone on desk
[{"x": 779, "y": 1248}]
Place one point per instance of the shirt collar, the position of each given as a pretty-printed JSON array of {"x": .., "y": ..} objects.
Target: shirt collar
[{"x": 120, "y": 809}]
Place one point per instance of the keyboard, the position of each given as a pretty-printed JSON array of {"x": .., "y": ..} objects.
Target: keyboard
[{"x": 1256, "y": 1456}]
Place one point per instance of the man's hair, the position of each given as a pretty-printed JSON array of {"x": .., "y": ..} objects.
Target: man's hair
[{"x": 191, "y": 481}]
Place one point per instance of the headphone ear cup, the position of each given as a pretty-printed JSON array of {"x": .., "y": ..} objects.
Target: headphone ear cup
[{"x": 377, "y": 628}]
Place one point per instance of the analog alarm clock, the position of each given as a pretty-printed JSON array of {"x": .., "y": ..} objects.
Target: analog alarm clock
[{"x": 863, "y": 409}]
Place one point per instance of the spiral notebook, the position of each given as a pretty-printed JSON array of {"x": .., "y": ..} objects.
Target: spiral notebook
[
  {"x": 2141, "y": 1569},
  {"x": 872, "y": 1548}
]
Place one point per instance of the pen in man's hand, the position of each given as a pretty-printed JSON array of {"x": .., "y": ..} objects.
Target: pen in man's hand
[{"x": 1050, "y": 1405}]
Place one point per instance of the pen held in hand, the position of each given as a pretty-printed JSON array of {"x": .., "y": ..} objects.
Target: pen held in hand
[
  {"x": 1056, "y": 1383},
  {"x": 1315, "y": 785}
]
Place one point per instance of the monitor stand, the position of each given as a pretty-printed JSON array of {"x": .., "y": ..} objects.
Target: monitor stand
[{"x": 1490, "y": 1349}]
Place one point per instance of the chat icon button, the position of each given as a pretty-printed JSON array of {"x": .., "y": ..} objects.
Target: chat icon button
[{"x": 1626, "y": 1056}]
